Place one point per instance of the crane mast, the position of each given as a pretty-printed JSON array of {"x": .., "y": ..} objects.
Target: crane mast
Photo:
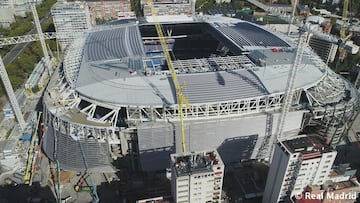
[
  {"x": 41, "y": 37},
  {"x": 3, "y": 74},
  {"x": 180, "y": 97},
  {"x": 12, "y": 98},
  {"x": 289, "y": 91}
]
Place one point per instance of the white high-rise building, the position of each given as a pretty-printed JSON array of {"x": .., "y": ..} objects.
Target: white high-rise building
[
  {"x": 197, "y": 177},
  {"x": 297, "y": 163},
  {"x": 70, "y": 20}
]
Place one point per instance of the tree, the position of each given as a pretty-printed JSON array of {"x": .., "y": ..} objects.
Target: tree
[{"x": 136, "y": 7}]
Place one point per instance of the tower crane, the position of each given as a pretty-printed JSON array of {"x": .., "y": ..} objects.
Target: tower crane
[
  {"x": 343, "y": 36},
  {"x": 178, "y": 88},
  {"x": 12, "y": 98},
  {"x": 292, "y": 16},
  {"x": 3, "y": 74},
  {"x": 269, "y": 142},
  {"x": 289, "y": 91},
  {"x": 41, "y": 38},
  {"x": 26, "y": 38}
]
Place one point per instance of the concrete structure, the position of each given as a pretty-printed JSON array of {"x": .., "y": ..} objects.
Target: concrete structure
[
  {"x": 174, "y": 7},
  {"x": 6, "y": 17},
  {"x": 110, "y": 9},
  {"x": 71, "y": 19},
  {"x": 297, "y": 163},
  {"x": 18, "y": 7},
  {"x": 222, "y": 1},
  {"x": 325, "y": 49},
  {"x": 197, "y": 177},
  {"x": 36, "y": 76},
  {"x": 320, "y": 40},
  {"x": 351, "y": 47},
  {"x": 113, "y": 95},
  {"x": 275, "y": 9}
]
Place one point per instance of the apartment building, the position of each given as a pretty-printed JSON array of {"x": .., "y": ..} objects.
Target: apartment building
[
  {"x": 197, "y": 177},
  {"x": 297, "y": 163}
]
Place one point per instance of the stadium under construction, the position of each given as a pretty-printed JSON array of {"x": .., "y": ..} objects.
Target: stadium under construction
[{"x": 113, "y": 96}]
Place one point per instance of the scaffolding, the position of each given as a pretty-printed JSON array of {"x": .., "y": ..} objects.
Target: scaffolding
[
  {"x": 73, "y": 62},
  {"x": 212, "y": 64}
]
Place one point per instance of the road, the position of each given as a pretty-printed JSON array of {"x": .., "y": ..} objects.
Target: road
[{"x": 19, "y": 48}]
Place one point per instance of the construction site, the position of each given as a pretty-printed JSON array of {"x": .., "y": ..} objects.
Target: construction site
[{"x": 129, "y": 94}]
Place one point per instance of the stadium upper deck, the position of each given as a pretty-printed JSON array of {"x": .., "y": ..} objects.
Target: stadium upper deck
[
  {"x": 113, "y": 61},
  {"x": 114, "y": 86}
]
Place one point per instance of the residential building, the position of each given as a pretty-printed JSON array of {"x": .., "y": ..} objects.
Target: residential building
[
  {"x": 18, "y": 7},
  {"x": 110, "y": 9},
  {"x": 6, "y": 17},
  {"x": 297, "y": 163},
  {"x": 173, "y": 7},
  {"x": 70, "y": 20},
  {"x": 197, "y": 177},
  {"x": 342, "y": 187}
]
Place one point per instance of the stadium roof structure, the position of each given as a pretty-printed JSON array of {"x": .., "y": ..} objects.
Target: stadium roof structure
[
  {"x": 107, "y": 65},
  {"x": 110, "y": 67}
]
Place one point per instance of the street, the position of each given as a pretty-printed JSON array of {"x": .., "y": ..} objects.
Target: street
[{"x": 19, "y": 48}]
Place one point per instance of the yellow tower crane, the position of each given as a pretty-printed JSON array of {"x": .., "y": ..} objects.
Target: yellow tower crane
[
  {"x": 343, "y": 36},
  {"x": 180, "y": 97}
]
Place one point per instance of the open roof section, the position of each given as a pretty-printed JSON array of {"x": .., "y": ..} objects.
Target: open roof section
[{"x": 245, "y": 35}]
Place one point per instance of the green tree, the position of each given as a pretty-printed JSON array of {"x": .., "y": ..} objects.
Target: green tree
[{"x": 136, "y": 7}]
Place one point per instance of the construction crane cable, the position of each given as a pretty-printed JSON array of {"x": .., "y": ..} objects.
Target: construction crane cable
[{"x": 178, "y": 88}]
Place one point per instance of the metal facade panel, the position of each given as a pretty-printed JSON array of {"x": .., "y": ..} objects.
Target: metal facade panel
[
  {"x": 235, "y": 138},
  {"x": 70, "y": 152}
]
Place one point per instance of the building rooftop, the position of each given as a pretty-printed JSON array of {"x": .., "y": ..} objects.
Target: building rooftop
[
  {"x": 195, "y": 162},
  {"x": 306, "y": 145}
]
